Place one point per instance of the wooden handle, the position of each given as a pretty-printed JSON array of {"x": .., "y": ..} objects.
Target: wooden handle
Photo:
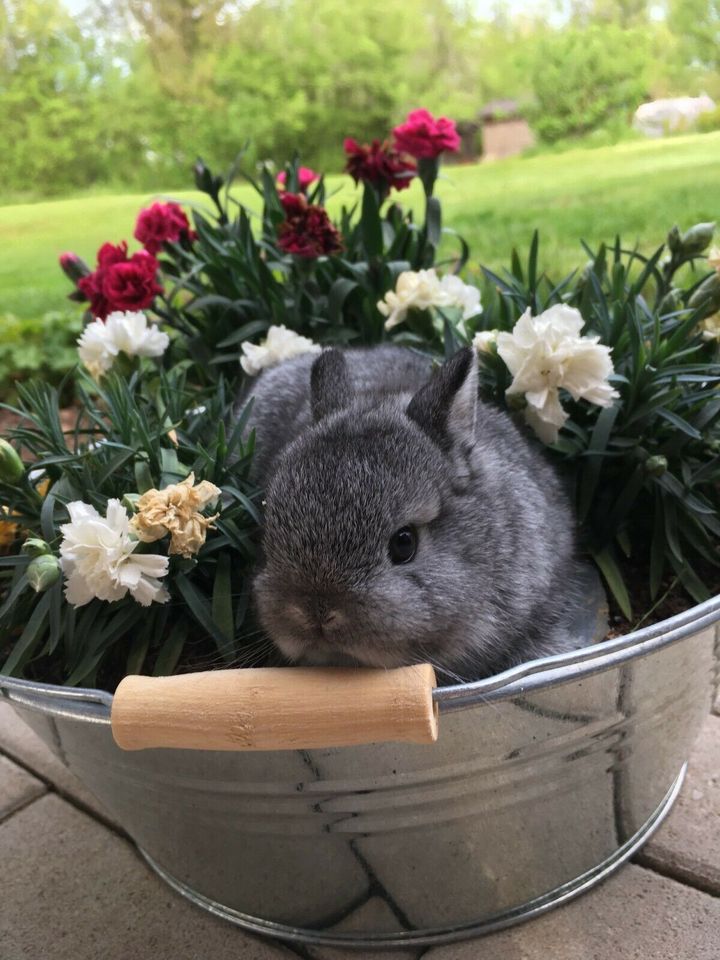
[{"x": 286, "y": 708}]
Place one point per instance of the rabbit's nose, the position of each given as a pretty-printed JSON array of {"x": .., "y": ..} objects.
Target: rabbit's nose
[{"x": 324, "y": 613}]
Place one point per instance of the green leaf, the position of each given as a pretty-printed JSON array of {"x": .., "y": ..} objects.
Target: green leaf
[
  {"x": 222, "y": 605},
  {"x": 143, "y": 477},
  {"x": 171, "y": 650},
  {"x": 433, "y": 221},
  {"x": 200, "y": 609},
  {"x": 591, "y": 472},
  {"x": 658, "y": 549},
  {"x": 339, "y": 292},
  {"x": 24, "y": 646},
  {"x": 370, "y": 223},
  {"x": 613, "y": 577}
]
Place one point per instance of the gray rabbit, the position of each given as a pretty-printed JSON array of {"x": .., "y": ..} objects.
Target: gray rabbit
[{"x": 406, "y": 521}]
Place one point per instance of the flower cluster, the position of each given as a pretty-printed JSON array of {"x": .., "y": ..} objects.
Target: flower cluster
[
  {"x": 130, "y": 333},
  {"x": 162, "y": 223},
  {"x": 306, "y": 230},
  {"x": 546, "y": 354},
  {"x": 175, "y": 510},
  {"x": 98, "y": 557},
  {"x": 120, "y": 282},
  {"x": 380, "y": 164},
  {"x": 279, "y": 344},
  {"x": 423, "y": 289}
]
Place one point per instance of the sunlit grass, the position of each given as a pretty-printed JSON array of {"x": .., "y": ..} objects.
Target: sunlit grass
[{"x": 638, "y": 189}]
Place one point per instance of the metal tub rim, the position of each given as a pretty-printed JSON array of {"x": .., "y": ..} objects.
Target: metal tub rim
[{"x": 94, "y": 706}]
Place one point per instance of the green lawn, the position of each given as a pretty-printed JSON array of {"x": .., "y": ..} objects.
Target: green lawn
[{"x": 638, "y": 188}]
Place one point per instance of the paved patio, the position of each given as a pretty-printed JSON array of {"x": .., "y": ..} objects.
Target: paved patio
[{"x": 72, "y": 888}]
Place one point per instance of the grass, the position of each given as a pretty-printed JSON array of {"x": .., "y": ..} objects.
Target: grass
[{"x": 638, "y": 189}]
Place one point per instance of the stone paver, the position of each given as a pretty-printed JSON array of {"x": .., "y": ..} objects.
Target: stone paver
[
  {"x": 20, "y": 743},
  {"x": 17, "y": 787},
  {"x": 72, "y": 890},
  {"x": 688, "y": 845},
  {"x": 636, "y": 915}
]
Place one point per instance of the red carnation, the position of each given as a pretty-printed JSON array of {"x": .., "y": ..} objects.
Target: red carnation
[
  {"x": 162, "y": 223},
  {"x": 306, "y": 230},
  {"x": 379, "y": 164},
  {"x": 306, "y": 176},
  {"x": 423, "y": 136},
  {"x": 120, "y": 282}
]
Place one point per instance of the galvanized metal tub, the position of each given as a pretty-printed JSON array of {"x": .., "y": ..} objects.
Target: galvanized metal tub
[{"x": 544, "y": 780}]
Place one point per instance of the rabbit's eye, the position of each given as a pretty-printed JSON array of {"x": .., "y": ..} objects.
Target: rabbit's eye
[{"x": 403, "y": 545}]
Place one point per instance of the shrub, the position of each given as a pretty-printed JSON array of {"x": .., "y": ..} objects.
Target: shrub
[{"x": 43, "y": 346}]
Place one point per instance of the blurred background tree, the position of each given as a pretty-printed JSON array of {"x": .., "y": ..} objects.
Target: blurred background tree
[{"x": 127, "y": 93}]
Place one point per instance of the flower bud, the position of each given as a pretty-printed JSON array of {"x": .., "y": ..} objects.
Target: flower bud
[
  {"x": 11, "y": 466},
  {"x": 73, "y": 266},
  {"x": 707, "y": 295},
  {"x": 34, "y": 547},
  {"x": 670, "y": 303},
  {"x": 130, "y": 501},
  {"x": 43, "y": 572},
  {"x": 697, "y": 238},
  {"x": 204, "y": 180},
  {"x": 673, "y": 239},
  {"x": 656, "y": 466}
]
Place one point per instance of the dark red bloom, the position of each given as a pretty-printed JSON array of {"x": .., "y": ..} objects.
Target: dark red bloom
[
  {"x": 160, "y": 223},
  {"x": 120, "y": 282},
  {"x": 306, "y": 230},
  {"x": 424, "y": 136},
  {"x": 378, "y": 164},
  {"x": 306, "y": 176}
]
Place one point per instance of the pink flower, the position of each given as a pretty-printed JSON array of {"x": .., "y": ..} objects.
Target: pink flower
[
  {"x": 120, "y": 282},
  {"x": 306, "y": 176},
  {"x": 162, "y": 223},
  {"x": 378, "y": 164},
  {"x": 306, "y": 230},
  {"x": 424, "y": 136}
]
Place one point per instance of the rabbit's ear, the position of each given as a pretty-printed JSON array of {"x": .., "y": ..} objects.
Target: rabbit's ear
[
  {"x": 330, "y": 388},
  {"x": 446, "y": 407}
]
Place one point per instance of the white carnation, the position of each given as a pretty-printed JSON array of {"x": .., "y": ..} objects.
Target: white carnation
[
  {"x": 462, "y": 295},
  {"x": 280, "y": 344},
  {"x": 545, "y": 354},
  {"x": 96, "y": 350},
  {"x": 422, "y": 289},
  {"x": 98, "y": 560},
  {"x": 128, "y": 333},
  {"x": 714, "y": 259}
]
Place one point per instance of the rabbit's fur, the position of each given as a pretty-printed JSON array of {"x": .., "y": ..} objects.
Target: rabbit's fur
[{"x": 353, "y": 445}]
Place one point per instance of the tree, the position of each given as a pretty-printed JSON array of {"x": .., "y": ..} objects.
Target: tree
[
  {"x": 697, "y": 23},
  {"x": 583, "y": 78}
]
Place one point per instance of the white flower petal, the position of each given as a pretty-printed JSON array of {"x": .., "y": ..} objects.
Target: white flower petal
[
  {"x": 547, "y": 353},
  {"x": 280, "y": 344},
  {"x": 423, "y": 289},
  {"x": 97, "y": 556}
]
